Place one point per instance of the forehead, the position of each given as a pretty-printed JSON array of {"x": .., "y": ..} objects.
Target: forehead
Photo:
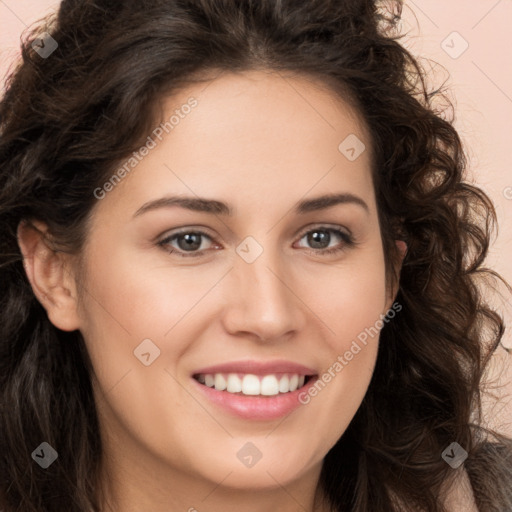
[
  {"x": 259, "y": 103},
  {"x": 250, "y": 134}
]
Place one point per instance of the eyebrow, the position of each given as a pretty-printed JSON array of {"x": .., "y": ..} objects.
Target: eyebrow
[{"x": 212, "y": 206}]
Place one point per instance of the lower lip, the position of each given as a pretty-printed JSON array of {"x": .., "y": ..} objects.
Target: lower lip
[{"x": 256, "y": 407}]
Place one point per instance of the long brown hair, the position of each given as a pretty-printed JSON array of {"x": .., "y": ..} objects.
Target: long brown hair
[{"x": 67, "y": 119}]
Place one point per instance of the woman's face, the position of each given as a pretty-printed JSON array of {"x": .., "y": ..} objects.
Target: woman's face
[{"x": 272, "y": 289}]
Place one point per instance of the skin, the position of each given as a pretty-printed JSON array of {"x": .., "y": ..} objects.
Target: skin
[{"x": 259, "y": 142}]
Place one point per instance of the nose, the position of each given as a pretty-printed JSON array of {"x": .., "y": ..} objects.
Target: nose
[{"x": 263, "y": 299}]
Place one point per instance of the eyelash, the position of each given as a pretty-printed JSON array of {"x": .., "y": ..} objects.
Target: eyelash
[{"x": 348, "y": 242}]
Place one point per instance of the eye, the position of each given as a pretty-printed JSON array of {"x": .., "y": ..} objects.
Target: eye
[
  {"x": 191, "y": 242},
  {"x": 320, "y": 240}
]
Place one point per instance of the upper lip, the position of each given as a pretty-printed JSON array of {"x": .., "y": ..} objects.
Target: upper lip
[{"x": 257, "y": 368}]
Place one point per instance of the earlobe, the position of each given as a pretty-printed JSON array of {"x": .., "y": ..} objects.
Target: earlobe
[
  {"x": 50, "y": 279},
  {"x": 402, "y": 248}
]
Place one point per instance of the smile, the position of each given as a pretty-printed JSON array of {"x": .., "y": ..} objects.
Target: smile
[
  {"x": 254, "y": 390},
  {"x": 253, "y": 385}
]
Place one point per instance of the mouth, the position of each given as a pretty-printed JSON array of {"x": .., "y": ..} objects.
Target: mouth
[
  {"x": 249, "y": 384},
  {"x": 255, "y": 390}
]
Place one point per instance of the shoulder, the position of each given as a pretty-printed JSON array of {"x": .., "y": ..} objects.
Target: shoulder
[
  {"x": 455, "y": 496},
  {"x": 489, "y": 468},
  {"x": 459, "y": 497}
]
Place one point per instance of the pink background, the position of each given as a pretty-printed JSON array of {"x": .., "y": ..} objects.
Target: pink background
[{"x": 481, "y": 89}]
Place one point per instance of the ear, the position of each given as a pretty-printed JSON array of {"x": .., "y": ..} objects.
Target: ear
[
  {"x": 402, "y": 248},
  {"x": 49, "y": 274}
]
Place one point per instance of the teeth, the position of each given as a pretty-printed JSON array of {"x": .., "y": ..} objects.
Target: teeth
[
  {"x": 234, "y": 383},
  {"x": 220, "y": 382},
  {"x": 269, "y": 385},
  {"x": 284, "y": 384},
  {"x": 250, "y": 385},
  {"x": 253, "y": 385}
]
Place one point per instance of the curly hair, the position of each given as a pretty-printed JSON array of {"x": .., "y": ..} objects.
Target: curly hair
[{"x": 66, "y": 122}]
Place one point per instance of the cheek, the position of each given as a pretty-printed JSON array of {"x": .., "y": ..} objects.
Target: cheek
[
  {"x": 143, "y": 300},
  {"x": 351, "y": 304},
  {"x": 129, "y": 300},
  {"x": 122, "y": 306},
  {"x": 349, "y": 299}
]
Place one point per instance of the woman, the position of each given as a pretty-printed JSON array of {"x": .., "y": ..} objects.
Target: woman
[{"x": 240, "y": 267}]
